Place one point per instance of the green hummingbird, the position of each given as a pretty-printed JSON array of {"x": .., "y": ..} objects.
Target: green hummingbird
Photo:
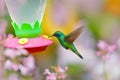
[{"x": 67, "y": 40}]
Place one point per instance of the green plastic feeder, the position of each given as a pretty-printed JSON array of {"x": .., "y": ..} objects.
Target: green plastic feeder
[
  {"x": 27, "y": 31},
  {"x": 26, "y": 16}
]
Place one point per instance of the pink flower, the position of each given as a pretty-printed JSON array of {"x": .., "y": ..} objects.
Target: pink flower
[
  {"x": 112, "y": 48},
  {"x": 62, "y": 76},
  {"x": 47, "y": 72},
  {"x": 29, "y": 62},
  {"x": 52, "y": 76},
  {"x": 28, "y": 65},
  {"x": 17, "y": 62},
  {"x": 15, "y": 67},
  {"x": 23, "y": 51},
  {"x": 61, "y": 70},
  {"x": 105, "y": 49},
  {"x": 59, "y": 73},
  {"x": 98, "y": 53},
  {"x": 24, "y": 70},
  {"x": 11, "y": 53},
  {"x": 8, "y": 65},
  {"x": 102, "y": 45}
]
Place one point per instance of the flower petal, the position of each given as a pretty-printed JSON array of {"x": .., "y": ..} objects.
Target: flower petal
[{"x": 102, "y": 45}]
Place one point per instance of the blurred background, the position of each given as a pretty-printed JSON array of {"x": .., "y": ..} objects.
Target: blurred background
[{"x": 98, "y": 43}]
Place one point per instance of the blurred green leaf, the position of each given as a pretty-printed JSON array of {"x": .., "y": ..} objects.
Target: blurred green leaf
[{"x": 76, "y": 71}]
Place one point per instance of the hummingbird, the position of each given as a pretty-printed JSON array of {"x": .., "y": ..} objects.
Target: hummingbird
[{"x": 67, "y": 40}]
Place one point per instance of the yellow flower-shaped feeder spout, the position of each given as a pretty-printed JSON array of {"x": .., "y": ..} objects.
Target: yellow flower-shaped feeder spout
[{"x": 23, "y": 41}]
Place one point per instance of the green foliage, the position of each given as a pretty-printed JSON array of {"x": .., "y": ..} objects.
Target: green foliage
[
  {"x": 76, "y": 71},
  {"x": 100, "y": 25},
  {"x": 94, "y": 25}
]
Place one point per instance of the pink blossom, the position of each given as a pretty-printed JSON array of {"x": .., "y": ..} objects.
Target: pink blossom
[
  {"x": 98, "y": 53},
  {"x": 62, "y": 76},
  {"x": 52, "y": 76},
  {"x": 47, "y": 71},
  {"x": 15, "y": 67},
  {"x": 24, "y": 70},
  {"x": 23, "y": 51},
  {"x": 65, "y": 68},
  {"x": 8, "y": 65},
  {"x": 102, "y": 45},
  {"x": 61, "y": 70},
  {"x": 11, "y": 53},
  {"x": 60, "y": 73},
  {"x": 112, "y": 48},
  {"x": 16, "y": 61},
  {"x": 29, "y": 62},
  {"x": 105, "y": 49}
]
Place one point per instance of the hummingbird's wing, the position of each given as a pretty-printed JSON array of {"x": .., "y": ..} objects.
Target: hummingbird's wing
[{"x": 73, "y": 35}]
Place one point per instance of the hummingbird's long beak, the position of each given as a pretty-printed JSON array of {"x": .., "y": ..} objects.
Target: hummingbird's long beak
[{"x": 50, "y": 36}]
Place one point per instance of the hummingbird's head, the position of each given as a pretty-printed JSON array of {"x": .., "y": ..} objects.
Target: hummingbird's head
[{"x": 57, "y": 34}]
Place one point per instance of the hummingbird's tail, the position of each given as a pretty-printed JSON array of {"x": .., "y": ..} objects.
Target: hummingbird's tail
[{"x": 76, "y": 52}]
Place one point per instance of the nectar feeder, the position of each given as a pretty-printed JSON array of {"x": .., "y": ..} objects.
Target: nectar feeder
[
  {"x": 32, "y": 45},
  {"x": 26, "y": 18}
]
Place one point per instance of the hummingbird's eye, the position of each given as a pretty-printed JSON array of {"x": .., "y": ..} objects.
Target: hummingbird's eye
[{"x": 58, "y": 35}]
